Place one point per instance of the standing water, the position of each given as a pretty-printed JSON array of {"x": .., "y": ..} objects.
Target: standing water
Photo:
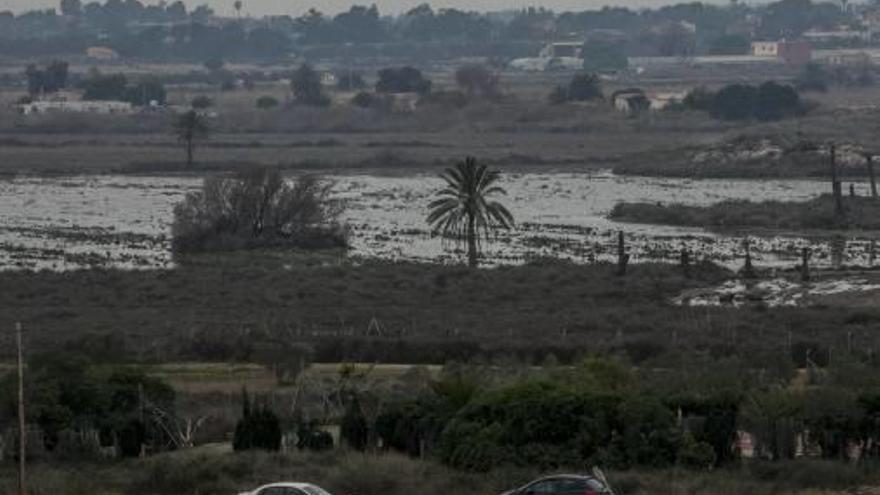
[{"x": 124, "y": 221}]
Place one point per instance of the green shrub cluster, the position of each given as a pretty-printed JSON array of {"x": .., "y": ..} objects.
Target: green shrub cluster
[
  {"x": 258, "y": 428},
  {"x": 69, "y": 397},
  {"x": 769, "y": 101},
  {"x": 818, "y": 213},
  {"x": 599, "y": 413}
]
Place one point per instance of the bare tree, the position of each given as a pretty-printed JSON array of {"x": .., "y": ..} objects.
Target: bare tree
[
  {"x": 476, "y": 78},
  {"x": 190, "y": 128},
  {"x": 258, "y": 208}
]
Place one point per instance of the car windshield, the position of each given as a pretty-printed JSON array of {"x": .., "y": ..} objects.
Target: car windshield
[
  {"x": 315, "y": 490},
  {"x": 595, "y": 484}
]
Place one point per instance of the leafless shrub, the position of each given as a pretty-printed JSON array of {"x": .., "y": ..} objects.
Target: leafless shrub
[{"x": 258, "y": 208}]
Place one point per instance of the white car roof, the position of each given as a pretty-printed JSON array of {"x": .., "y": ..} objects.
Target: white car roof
[{"x": 285, "y": 484}]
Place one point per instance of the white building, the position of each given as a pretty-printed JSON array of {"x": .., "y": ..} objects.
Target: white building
[
  {"x": 765, "y": 48},
  {"x": 563, "y": 49},
  {"x": 97, "y": 107},
  {"x": 101, "y": 53}
]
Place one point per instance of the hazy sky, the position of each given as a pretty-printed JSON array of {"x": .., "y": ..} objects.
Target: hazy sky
[{"x": 262, "y": 7}]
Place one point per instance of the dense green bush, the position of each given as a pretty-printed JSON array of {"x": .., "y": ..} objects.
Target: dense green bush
[
  {"x": 696, "y": 455},
  {"x": 768, "y": 102},
  {"x": 310, "y": 437},
  {"x": 69, "y": 395},
  {"x": 402, "y": 80},
  {"x": 531, "y": 424},
  {"x": 267, "y": 102},
  {"x": 307, "y": 88},
  {"x": 582, "y": 87},
  {"x": 258, "y": 428},
  {"x": 354, "y": 430},
  {"x": 202, "y": 102}
]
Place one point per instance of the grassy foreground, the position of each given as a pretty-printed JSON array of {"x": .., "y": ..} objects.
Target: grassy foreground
[
  {"x": 219, "y": 308},
  {"x": 818, "y": 214},
  {"x": 213, "y": 470}
]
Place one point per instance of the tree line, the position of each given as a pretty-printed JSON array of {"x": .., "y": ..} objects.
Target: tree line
[
  {"x": 602, "y": 411},
  {"x": 170, "y": 31}
]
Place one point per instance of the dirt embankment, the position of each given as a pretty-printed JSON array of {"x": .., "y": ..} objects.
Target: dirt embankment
[{"x": 776, "y": 156}]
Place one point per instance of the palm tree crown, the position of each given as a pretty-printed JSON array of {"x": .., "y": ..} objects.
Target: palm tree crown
[{"x": 465, "y": 209}]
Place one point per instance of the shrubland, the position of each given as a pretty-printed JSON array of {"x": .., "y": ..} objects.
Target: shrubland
[{"x": 861, "y": 213}]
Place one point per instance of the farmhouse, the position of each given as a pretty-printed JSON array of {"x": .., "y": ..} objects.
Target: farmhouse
[
  {"x": 790, "y": 52},
  {"x": 765, "y": 48},
  {"x": 635, "y": 100},
  {"x": 563, "y": 49},
  {"x": 101, "y": 53}
]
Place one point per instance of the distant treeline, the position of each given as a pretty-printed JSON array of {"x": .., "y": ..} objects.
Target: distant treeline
[{"x": 171, "y": 31}]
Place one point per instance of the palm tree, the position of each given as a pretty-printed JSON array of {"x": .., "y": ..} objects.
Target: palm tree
[
  {"x": 465, "y": 210},
  {"x": 238, "y": 5},
  {"x": 190, "y": 127}
]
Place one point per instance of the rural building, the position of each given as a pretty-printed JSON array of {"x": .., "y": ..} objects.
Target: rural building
[
  {"x": 817, "y": 36},
  {"x": 629, "y": 100},
  {"x": 560, "y": 55},
  {"x": 662, "y": 100},
  {"x": 328, "y": 79},
  {"x": 790, "y": 52},
  {"x": 63, "y": 106},
  {"x": 101, "y": 53},
  {"x": 765, "y": 48},
  {"x": 563, "y": 49},
  {"x": 633, "y": 100},
  {"x": 849, "y": 59}
]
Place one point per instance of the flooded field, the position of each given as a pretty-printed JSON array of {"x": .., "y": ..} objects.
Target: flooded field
[{"x": 123, "y": 221}]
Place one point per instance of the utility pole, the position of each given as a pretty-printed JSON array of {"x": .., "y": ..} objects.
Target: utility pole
[{"x": 22, "y": 433}]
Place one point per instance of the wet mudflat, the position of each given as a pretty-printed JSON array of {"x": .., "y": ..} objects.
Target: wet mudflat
[{"x": 123, "y": 221}]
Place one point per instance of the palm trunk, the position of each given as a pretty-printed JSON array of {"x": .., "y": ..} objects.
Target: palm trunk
[
  {"x": 870, "y": 160},
  {"x": 472, "y": 241}
]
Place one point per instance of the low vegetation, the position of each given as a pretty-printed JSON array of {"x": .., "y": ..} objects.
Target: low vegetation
[
  {"x": 209, "y": 471},
  {"x": 759, "y": 154},
  {"x": 818, "y": 214},
  {"x": 581, "y": 88}
]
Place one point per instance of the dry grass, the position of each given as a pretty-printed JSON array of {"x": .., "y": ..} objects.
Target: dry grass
[
  {"x": 229, "y": 378},
  {"x": 214, "y": 469}
]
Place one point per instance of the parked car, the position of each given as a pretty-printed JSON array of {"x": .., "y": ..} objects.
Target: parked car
[
  {"x": 564, "y": 484},
  {"x": 288, "y": 489}
]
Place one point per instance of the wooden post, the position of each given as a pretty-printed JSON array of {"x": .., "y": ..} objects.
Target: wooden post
[
  {"x": 835, "y": 183},
  {"x": 748, "y": 271},
  {"x": 686, "y": 262},
  {"x": 622, "y": 257},
  {"x": 805, "y": 264},
  {"x": 838, "y": 251},
  {"x": 22, "y": 432},
  {"x": 869, "y": 161}
]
